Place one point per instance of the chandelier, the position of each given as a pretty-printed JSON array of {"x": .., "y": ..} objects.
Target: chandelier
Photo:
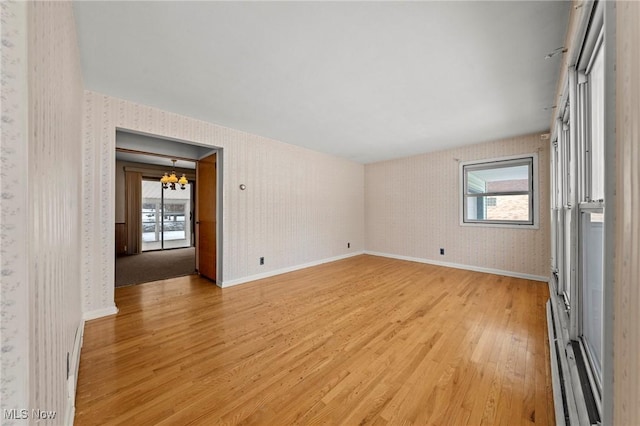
[{"x": 170, "y": 180}]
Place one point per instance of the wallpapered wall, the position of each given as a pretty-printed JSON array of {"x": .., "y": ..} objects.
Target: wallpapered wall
[
  {"x": 14, "y": 330},
  {"x": 412, "y": 209},
  {"x": 41, "y": 219},
  {"x": 627, "y": 248},
  {"x": 300, "y": 206}
]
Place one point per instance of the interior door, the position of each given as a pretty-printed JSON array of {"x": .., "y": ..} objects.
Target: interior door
[{"x": 206, "y": 185}]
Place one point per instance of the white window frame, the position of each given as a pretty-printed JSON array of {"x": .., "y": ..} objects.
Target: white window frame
[
  {"x": 572, "y": 314},
  {"x": 586, "y": 204},
  {"x": 506, "y": 224}
]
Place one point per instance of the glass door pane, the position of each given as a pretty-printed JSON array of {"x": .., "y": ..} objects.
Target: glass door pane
[
  {"x": 176, "y": 219},
  {"x": 151, "y": 215}
]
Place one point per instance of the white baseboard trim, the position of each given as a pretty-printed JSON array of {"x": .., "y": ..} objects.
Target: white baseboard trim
[
  {"x": 285, "y": 270},
  {"x": 99, "y": 313},
  {"x": 72, "y": 379},
  {"x": 461, "y": 266},
  {"x": 69, "y": 416}
]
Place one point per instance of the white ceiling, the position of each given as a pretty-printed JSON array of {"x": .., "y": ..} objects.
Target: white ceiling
[
  {"x": 366, "y": 81},
  {"x": 168, "y": 148}
]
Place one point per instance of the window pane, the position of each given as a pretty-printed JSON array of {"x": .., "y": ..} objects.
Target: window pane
[
  {"x": 592, "y": 285},
  {"x": 499, "y": 191},
  {"x": 568, "y": 168},
  {"x": 498, "y": 179},
  {"x": 500, "y": 207},
  {"x": 559, "y": 239},
  {"x": 568, "y": 259},
  {"x": 596, "y": 82}
]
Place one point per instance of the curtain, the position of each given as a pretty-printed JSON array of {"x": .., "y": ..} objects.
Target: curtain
[{"x": 133, "y": 209}]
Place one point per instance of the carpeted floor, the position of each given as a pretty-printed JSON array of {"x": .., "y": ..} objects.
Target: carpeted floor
[{"x": 154, "y": 266}]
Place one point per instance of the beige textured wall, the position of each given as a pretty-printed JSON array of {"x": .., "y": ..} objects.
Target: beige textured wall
[
  {"x": 299, "y": 207},
  {"x": 626, "y": 345},
  {"x": 47, "y": 213},
  {"x": 412, "y": 209}
]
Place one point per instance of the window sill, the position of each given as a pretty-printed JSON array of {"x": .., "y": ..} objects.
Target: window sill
[{"x": 534, "y": 227}]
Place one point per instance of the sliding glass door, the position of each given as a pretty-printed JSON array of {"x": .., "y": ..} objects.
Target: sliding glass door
[{"x": 166, "y": 217}]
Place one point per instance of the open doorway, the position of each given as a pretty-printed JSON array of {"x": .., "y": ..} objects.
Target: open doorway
[{"x": 156, "y": 231}]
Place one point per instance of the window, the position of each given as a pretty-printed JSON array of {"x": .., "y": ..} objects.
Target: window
[
  {"x": 595, "y": 158},
  {"x": 499, "y": 192},
  {"x": 591, "y": 207},
  {"x": 579, "y": 223},
  {"x": 592, "y": 262}
]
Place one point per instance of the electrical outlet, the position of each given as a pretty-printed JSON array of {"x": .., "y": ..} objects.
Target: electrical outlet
[
  {"x": 262, "y": 260},
  {"x": 348, "y": 245},
  {"x": 442, "y": 251}
]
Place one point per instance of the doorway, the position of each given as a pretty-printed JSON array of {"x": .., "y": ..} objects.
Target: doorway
[{"x": 166, "y": 218}]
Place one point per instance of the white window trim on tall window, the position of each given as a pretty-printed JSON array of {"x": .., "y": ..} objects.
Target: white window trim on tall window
[{"x": 505, "y": 224}]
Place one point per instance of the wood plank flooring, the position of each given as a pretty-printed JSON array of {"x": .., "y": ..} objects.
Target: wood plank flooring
[{"x": 365, "y": 340}]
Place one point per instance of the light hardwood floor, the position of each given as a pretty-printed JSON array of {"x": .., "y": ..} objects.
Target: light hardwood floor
[{"x": 362, "y": 340}]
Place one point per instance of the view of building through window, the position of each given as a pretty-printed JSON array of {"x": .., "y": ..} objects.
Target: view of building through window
[{"x": 499, "y": 192}]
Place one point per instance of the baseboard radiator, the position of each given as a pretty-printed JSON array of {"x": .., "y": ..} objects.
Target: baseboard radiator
[{"x": 572, "y": 408}]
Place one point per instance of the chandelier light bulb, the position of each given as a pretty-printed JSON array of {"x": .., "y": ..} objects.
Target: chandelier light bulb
[{"x": 170, "y": 180}]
